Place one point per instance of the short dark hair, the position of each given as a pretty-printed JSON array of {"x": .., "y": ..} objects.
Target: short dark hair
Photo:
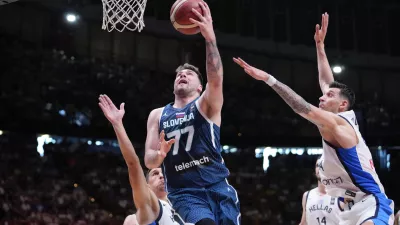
[
  {"x": 188, "y": 66},
  {"x": 345, "y": 92}
]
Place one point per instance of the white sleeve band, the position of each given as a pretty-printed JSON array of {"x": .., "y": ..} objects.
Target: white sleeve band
[{"x": 271, "y": 80}]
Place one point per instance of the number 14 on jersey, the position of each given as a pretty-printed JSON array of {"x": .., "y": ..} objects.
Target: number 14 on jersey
[{"x": 323, "y": 221}]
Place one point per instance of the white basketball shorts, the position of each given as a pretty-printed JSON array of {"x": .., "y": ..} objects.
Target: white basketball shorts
[{"x": 375, "y": 207}]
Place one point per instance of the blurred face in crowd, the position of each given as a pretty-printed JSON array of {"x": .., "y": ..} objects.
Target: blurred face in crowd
[
  {"x": 332, "y": 101},
  {"x": 187, "y": 83},
  {"x": 156, "y": 181}
]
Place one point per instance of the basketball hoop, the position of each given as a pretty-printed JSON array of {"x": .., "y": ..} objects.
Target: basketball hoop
[{"x": 123, "y": 14}]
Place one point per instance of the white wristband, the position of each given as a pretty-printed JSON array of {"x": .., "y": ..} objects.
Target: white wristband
[{"x": 271, "y": 80}]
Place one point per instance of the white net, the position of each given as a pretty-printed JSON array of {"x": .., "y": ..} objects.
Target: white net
[{"x": 123, "y": 14}]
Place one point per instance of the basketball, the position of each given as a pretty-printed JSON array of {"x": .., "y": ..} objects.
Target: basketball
[{"x": 180, "y": 13}]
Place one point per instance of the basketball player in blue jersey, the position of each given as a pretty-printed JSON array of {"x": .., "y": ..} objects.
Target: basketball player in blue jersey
[
  {"x": 347, "y": 166},
  {"x": 318, "y": 207},
  {"x": 149, "y": 193},
  {"x": 195, "y": 173}
]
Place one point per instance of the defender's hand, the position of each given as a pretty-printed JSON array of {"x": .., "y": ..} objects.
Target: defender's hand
[
  {"x": 112, "y": 113},
  {"x": 205, "y": 24},
  {"x": 252, "y": 71},
  {"x": 165, "y": 146},
  {"x": 320, "y": 32}
]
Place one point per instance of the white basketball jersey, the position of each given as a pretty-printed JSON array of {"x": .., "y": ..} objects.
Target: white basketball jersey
[
  {"x": 168, "y": 216},
  {"x": 321, "y": 209},
  {"x": 345, "y": 171}
]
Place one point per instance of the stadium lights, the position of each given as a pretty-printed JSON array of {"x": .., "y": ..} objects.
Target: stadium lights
[
  {"x": 71, "y": 18},
  {"x": 337, "y": 69},
  {"x": 62, "y": 112}
]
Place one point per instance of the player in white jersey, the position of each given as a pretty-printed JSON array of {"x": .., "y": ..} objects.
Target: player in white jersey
[
  {"x": 318, "y": 207},
  {"x": 347, "y": 167},
  {"x": 149, "y": 193}
]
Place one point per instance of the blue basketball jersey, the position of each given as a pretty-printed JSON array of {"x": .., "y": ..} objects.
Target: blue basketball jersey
[{"x": 195, "y": 160}]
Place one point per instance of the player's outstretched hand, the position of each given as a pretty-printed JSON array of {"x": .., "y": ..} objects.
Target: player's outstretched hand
[
  {"x": 252, "y": 71},
  {"x": 320, "y": 31},
  {"x": 205, "y": 22},
  {"x": 112, "y": 113},
  {"x": 165, "y": 146}
]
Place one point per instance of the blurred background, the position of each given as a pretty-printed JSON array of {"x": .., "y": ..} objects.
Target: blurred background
[{"x": 60, "y": 162}]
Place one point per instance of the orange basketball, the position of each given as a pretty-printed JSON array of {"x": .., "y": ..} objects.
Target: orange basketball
[{"x": 180, "y": 13}]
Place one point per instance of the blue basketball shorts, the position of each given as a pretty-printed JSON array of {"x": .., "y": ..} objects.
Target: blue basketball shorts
[{"x": 218, "y": 202}]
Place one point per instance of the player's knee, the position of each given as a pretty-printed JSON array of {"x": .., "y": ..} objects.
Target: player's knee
[{"x": 206, "y": 221}]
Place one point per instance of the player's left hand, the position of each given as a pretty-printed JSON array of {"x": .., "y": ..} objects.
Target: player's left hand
[
  {"x": 112, "y": 113},
  {"x": 205, "y": 22},
  {"x": 252, "y": 71}
]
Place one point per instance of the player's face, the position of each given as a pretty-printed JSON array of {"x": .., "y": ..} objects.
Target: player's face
[
  {"x": 186, "y": 82},
  {"x": 332, "y": 101},
  {"x": 156, "y": 180}
]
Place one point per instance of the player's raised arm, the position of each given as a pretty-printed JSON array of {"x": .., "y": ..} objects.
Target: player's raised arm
[
  {"x": 145, "y": 200},
  {"x": 213, "y": 93},
  {"x": 156, "y": 146},
  {"x": 325, "y": 74},
  {"x": 323, "y": 119}
]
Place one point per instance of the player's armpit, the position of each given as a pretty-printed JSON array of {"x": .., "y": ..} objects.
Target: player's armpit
[{"x": 152, "y": 159}]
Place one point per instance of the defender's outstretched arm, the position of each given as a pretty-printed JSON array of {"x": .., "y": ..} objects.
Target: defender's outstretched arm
[
  {"x": 145, "y": 200},
  {"x": 315, "y": 115}
]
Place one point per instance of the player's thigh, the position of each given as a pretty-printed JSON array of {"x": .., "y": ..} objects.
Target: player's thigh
[{"x": 192, "y": 205}]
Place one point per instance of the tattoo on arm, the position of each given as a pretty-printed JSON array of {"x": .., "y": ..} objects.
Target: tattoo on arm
[
  {"x": 295, "y": 101},
  {"x": 214, "y": 64}
]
